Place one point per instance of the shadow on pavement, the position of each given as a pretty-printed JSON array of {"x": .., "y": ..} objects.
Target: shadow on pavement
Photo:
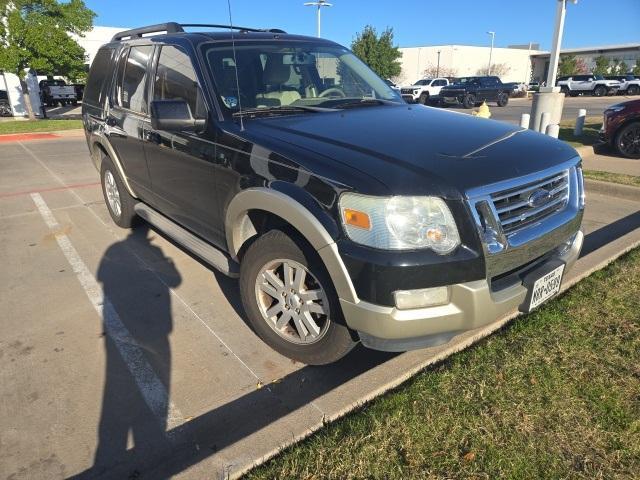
[
  {"x": 134, "y": 441},
  {"x": 606, "y": 234}
]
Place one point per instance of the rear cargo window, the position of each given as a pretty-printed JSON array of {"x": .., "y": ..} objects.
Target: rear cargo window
[{"x": 101, "y": 69}]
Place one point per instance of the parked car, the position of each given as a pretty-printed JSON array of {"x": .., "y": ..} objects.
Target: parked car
[
  {"x": 5, "y": 106},
  {"x": 595, "y": 85},
  {"x": 533, "y": 86},
  {"x": 629, "y": 84},
  {"x": 348, "y": 215},
  {"x": 472, "y": 91},
  {"x": 54, "y": 92},
  {"x": 621, "y": 128},
  {"x": 79, "y": 88},
  {"x": 424, "y": 90}
]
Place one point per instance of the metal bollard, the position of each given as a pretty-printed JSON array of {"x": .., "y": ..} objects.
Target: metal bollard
[
  {"x": 553, "y": 130},
  {"x": 524, "y": 120},
  {"x": 582, "y": 114},
  {"x": 545, "y": 119}
]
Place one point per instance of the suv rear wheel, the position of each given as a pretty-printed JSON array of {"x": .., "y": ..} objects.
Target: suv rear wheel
[
  {"x": 290, "y": 300},
  {"x": 503, "y": 99},
  {"x": 119, "y": 203},
  {"x": 633, "y": 90},
  {"x": 600, "y": 91}
]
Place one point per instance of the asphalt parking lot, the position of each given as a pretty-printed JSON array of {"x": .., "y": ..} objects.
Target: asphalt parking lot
[
  {"x": 517, "y": 106},
  {"x": 122, "y": 356}
]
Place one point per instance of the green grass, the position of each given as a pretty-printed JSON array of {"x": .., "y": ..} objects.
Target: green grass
[
  {"x": 589, "y": 132},
  {"x": 28, "y": 126},
  {"x": 556, "y": 394},
  {"x": 613, "y": 177}
]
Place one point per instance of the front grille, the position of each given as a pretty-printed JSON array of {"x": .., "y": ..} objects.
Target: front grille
[
  {"x": 407, "y": 91},
  {"x": 527, "y": 204}
]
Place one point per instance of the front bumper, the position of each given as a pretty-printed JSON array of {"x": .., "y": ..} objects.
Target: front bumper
[{"x": 472, "y": 305}]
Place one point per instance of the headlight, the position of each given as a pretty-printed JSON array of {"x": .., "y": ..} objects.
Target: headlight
[{"x": 399, "y": 223}]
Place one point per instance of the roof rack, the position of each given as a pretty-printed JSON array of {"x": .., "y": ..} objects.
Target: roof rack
[{"x": 173, "y": 27}]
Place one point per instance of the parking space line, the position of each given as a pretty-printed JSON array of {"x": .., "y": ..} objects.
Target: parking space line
[
  {"x": 151, "y": 388},
  {"x": 49, "y": 189}
]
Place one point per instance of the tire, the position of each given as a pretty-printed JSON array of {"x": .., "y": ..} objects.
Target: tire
[
  {"x": 627, "y": 140},
  {"x": 469, "y": 100},
  {"x": 564, "y": 89},
  {"x": 503, "y": 99},
  {"x": 119, "y": 203},
  {"x": 329, "y": 339},
  {"x": 600, "y": 91},
  {"x": 5, "y": 109},
  {"x": 424, "y": 98},
  {"x": 633, "y": 90}
]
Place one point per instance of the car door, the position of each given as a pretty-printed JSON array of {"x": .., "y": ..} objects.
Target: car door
[
  {"x": 181, "y": 164},
  {"x": 128, "y": 115},
  {"x": 486, "y": 90}
]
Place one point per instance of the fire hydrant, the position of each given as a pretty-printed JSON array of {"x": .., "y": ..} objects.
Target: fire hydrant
[{"x": 483, "y": 111}]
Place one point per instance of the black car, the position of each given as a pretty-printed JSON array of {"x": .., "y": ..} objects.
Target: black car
[
  {"x": 472, "y": 91},
  {"x": 348, "y": 215},
  {"x": 5, "y": 106}
]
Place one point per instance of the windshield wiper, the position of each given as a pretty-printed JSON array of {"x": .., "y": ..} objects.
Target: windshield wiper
[
  {"x": 280, "y": 110},
  {"x": 364, "y": 102}
]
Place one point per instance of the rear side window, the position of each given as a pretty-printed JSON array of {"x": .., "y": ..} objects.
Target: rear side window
[
  {"x": 101, "y": 69},
  {"x": 132, "y": 91},
  {"x": 176, "y": 80}
]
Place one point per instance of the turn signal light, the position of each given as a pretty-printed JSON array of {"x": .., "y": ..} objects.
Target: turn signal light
[{"x": 356, "y": 218}]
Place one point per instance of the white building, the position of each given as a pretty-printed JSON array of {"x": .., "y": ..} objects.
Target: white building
[
  {"x": 510, "y": 64},
  {"x": 95, "y": 38}
]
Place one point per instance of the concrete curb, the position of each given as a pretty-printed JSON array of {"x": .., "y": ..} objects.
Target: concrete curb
[{"x": 613, "y": 189}]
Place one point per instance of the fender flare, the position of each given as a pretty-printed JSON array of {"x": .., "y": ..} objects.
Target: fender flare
[
  {"x": 239, "y": 228},
  {"x": 100, "y": 140}
]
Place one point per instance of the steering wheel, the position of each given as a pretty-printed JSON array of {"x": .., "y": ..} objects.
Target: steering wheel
[{"x": 333, "y": 92}]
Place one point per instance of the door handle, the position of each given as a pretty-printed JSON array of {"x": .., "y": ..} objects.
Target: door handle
[{"x": 151, "y": 136}]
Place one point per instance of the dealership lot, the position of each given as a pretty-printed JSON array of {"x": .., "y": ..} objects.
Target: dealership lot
[{"x": 122, "y": 355}]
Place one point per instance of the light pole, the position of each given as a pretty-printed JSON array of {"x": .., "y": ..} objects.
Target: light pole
[
  {"x": 438, "y": 67},
  {"x": 561, "y": 11},
  {"x": 493, "y": 36},
  {"x": 319, "y": 4}
]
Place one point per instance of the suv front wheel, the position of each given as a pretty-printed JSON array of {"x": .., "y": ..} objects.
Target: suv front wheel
[{"x": 290, "y": 301}]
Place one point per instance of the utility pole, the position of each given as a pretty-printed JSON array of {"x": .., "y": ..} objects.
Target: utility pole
[
  {"x": 319, "y": 4},
  {"x": 561, "y": 12},
  {"x": 493, "y": 36},
  {"x": 438, "y": 68}
]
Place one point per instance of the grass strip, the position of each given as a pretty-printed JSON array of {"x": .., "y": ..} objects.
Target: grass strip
[
  {"x": 555, "y": 394},
  {"x": 29, "y": 126}
]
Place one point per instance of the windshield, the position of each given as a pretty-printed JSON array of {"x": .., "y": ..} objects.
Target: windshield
[
  {"x": 298, "y": 74},
  {"x": 423, "y": 82}
]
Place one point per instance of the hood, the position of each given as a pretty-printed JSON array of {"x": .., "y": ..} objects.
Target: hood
[{"x": 416, "y": 150}]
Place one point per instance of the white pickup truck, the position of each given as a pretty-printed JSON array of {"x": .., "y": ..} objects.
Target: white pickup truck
[
  {"x": 629, "y": 84},
  {"x": 595, "y": 85},
  {"x": 424, "y": 90},
  {"x": 57, "y": 91}
]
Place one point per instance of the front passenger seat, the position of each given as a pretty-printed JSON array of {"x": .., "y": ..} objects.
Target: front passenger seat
[{"x": 276, "y": 73}]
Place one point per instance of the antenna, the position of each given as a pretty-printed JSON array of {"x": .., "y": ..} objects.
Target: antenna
[{"x": 235, "y": 65}]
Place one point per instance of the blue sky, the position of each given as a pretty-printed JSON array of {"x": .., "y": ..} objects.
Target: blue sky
[{"x": 415, "y": 22}]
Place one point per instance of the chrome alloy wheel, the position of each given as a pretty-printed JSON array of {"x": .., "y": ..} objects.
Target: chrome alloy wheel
[
  {"x": 113, "y": 195},
  {"x": 292, "y": 301}
]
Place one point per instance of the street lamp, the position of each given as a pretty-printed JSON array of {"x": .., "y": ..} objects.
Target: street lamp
[
  {"x": 493, "y": 36},
  {"x": 438, "y": 67},
  {"x": 561, "y": 11},
  {"x": 319, "y": 4}
]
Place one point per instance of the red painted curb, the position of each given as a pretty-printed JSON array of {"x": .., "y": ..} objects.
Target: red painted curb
[{"x": 21, "y": 137}]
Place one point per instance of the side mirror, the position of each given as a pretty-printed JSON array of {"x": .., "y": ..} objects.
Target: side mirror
[{"x": 174, "y": 116}]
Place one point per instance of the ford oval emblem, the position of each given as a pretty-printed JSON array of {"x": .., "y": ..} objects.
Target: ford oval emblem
[{"x": 539, "y": 198}]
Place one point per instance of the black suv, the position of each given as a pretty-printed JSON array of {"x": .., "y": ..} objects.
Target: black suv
[
  {"x": 347, "y": 214},
  {"x": 472, "y": 91}
]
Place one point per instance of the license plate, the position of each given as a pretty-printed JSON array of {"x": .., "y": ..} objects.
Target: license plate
[{"x": 546, "y": 287}]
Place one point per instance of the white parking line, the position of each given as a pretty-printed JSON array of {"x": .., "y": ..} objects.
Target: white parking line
[{"x": 153, "y": 391}]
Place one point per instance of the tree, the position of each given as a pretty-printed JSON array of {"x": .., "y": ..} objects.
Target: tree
[
  {"x": 636, "y": 69},
  {"x": 497, "y": 69},
  {"x": 432, "y": 71},
  {"x": 35, "y": 34},
  {"x": 568, "y": 65},
  {"x": 623, "y": 68},
  {"x": 601, "y": 65},
  {"x": 378, "y": 52},
  {"x": 581, "y": 66}
]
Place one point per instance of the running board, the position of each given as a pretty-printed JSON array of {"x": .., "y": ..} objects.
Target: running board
[{"x": 207, "y": 252}]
